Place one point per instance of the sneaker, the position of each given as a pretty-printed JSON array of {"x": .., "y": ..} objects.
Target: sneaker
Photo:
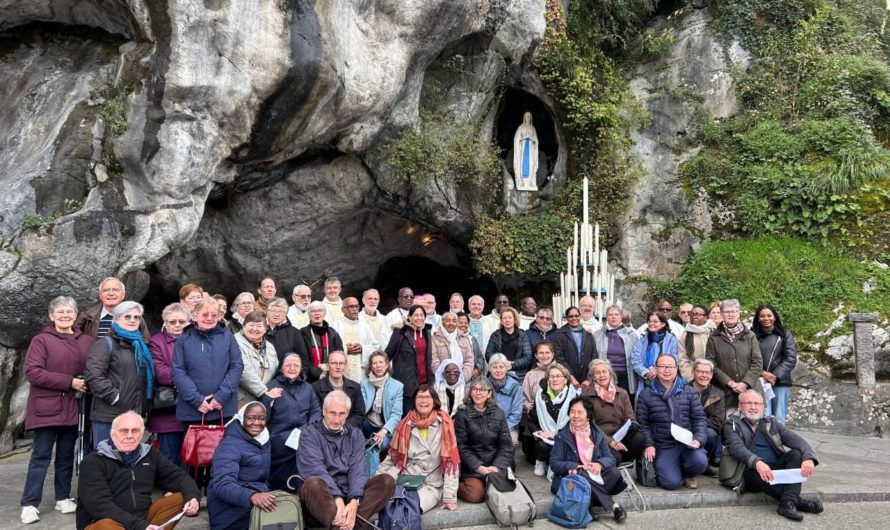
[
  {"x": 789, "y": 510},
  {"x": 810, "y": 506},
  {"x": 690, "y": 483},
  {"x": 540, "y": 468},
  {"x": 66, "y": 506},
  {"x": 30, "y": 514}
]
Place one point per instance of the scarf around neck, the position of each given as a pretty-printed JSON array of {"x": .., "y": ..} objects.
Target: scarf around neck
[
  {"x": 453, "y": 347},
  {"x": 448, "y": 453},
  {"x": 733, "y": 332},
  {"x": 144, "y": 361},
  {"x": 584, "y": 442},
  {"x": 378, "y": 383},
  {"x": 545, "y": 420},
  {"x": 606, "y": 394}
]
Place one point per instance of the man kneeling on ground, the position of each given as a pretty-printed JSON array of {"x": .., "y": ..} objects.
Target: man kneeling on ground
[
  {"x": 763, "y": 444},
  {"x": 332, "y": 453},
  {"x": 117, "y": 479}
]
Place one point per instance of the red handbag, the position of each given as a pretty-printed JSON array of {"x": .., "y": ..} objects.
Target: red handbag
[{"x": 201, "y": 442}]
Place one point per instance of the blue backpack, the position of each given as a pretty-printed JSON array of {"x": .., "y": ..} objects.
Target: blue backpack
[
  {"x": 402, "y": 512},
  {"x": 571, "y": 506}
]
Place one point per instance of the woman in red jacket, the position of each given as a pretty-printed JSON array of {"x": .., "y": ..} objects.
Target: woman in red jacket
[{"x": 54, "y": 366}]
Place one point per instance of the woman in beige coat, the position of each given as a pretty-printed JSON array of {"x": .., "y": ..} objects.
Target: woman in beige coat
[{"x": 424, "y": 443}]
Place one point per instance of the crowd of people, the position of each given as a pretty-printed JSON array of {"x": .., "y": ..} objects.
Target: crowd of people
[{"x": 306, "y": 388}]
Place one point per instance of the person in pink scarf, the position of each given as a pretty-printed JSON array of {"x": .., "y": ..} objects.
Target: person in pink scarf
[{"x": 581, "y": 448}]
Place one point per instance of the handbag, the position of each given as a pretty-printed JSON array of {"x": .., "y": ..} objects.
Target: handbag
[
  {"x": 200, "y": 443},
  {"x": 413, "y": 482},
  {"x": 646, "y": 474},
  {"x": 731, "y": 471},
  {"x": 164, "y": 397}
]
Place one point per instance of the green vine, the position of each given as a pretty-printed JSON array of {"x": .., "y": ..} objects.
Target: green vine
[{"x": 34, "y": 220}]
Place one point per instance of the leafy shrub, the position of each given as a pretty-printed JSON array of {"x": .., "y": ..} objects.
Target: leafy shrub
[
  {"x": 521, "y": 244},
  {"x": 804, "y": 280}
]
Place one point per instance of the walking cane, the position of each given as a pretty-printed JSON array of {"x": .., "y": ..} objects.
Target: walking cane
[{"x": 80, "y": 425}]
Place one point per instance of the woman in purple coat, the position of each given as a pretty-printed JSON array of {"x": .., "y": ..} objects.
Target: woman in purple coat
[
  {"x": 163, "y": 422},
  {"x": 54, "y": 366}
]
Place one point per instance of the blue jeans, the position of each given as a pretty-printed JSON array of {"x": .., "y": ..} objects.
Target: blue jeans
[
  {"x": 170, "y": 445},
  {"x": 99, "y": 431},
  {"x": 778, "y": 406},
  {"x": 677, "y": 463},
  {"x": 63, "y": 438},
  {"x": 714, "y": 446},
  {"x": 369, "y": 431}
]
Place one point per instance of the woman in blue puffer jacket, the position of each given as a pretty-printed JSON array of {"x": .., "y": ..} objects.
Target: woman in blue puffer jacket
[{"x": 240, "y": 470}]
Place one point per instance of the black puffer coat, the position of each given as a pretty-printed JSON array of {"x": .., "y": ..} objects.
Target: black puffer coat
[{"x": 483, "y": 439}]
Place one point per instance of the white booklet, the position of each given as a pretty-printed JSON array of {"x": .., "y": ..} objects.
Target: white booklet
[
  {"x": 787, "y": 476},
  {"x": 622, "y": 432},
  {"x": 172, "y": 520},
  {"x": 293, "y": 441},
  {"x": 684, "y": 436}
]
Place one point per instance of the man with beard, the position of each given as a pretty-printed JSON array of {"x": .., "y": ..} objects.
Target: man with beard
[
  {"x": 763, "y": 444},
  {"x": 298, "y": 314}
]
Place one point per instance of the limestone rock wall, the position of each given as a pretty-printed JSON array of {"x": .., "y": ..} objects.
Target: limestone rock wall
[{"x": 134, "y": 113}]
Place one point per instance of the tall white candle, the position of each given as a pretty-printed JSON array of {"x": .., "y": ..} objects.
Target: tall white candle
[{"x": 584, "y": 219}]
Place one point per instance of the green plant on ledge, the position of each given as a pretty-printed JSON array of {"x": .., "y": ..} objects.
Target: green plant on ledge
[{"x": 33, "y": 220}]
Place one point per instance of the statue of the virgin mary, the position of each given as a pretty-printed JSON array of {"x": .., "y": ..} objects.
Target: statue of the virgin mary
[{"x": 525, "y": 155}]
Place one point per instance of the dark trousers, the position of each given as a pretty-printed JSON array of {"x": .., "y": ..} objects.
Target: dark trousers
[
  {"x": 99, "y": 431},
  {"x": 63, "y": 438},
  {"x": 714, "y": 446},
  {"x": 170, "y": 445},
  {"x": 601, "y": 494},
  {"x": 780, "y": 492},
  {"x": 677, "y": 463},
  {"x": 319, "y": 502},
  {"x": 542, "y": 450},
  {"x": 635, "y": 442}
]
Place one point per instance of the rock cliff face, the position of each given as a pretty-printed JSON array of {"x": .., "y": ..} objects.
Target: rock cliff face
[{"x": 217, "y": 141}]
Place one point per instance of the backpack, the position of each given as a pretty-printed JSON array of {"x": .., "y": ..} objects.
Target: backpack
[
  {"x": 402, "y": 512},
  {"x": 571, "y": 506},
  {"x": 287, "y": 516},
  {"x": 510, "y": 508}
]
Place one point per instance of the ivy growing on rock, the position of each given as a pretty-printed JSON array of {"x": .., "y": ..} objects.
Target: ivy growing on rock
[{"x": 809, "y": 148}]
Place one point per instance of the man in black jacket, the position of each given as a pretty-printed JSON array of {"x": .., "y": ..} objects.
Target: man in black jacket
[
  {"x": 116, "y": 483},
  {"x": 335, "y": 380},
  {"x": 762, "y": 444}
]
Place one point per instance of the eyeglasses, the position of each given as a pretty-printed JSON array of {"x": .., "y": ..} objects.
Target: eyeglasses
[
  {"x": 124, "y": 431},
  {"x": 276, "y": 310},
  {"x": 654, "y": 322},
  {"x": 730, "y": 312},
  {"x": 478, "y": 389},
  {"x": 131, "y": 318},
  {"x": 751, "y": 403},
  {"x": 666, "y": 366},
  {"x": 544, "y": 318},
  {"x": 702, "y": 372},
  {"x": 255, "y": 419},
  {"x": 684, "y": 312},
  {"x": 245, "y": 303},
  {"x": 697, "y": 314},
  {"x": 304, "y": 296},
  {"x": 573, "y": 316},
  {"x": 424, "y": 397},
  {"x": 665, "y": 308},
  {"x": 177, "y": 322},
  {"x": 556, "y": 377}
]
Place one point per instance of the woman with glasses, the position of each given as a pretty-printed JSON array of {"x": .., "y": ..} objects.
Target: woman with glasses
[
  {"x": 735, "y": 352},
  {"x": 240, "y": 470},
  {"x": 259, "y": 358},
  {"x": 241, "y": 306},
  {"x": 163, "y": 422},
  {"x": 281, "y": 332},
  {"x": 425, "y": 444},
  {"x": 483, "y": 440},
  {"x": 694, "y": 340},
  {"x": 615, "y": 342},
  {"x": 665, "y": 404},
  {"x": 189, "y": 296},
  {"x": 575, "y": 348},
  {"x": 119, "y": 371},
  {"x": 54, "y": 366},
  {"x": 657, "y": 340},
  {"x": 549, "y": 414}
]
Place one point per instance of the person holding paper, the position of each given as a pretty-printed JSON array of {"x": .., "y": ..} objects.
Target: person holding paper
[
  {"x": 667, "y": 409},
  {"x": 612, "y": 410},
  {"x": 779, "y": 351},
  {"x": 580, "y": 448},
  {"x": 763, "y": 444},
  {"x": 296, "y": 407},
  {"x": 240, "y": 470},
  {"x": 117, "y": 480},
  {"x": 549, "y": 414}
]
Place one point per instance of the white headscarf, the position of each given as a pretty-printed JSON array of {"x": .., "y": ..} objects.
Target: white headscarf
[{"x": 263, "y": 437}]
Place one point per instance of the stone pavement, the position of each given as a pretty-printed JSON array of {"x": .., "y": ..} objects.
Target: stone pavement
[{"x": 852, "y": 469}]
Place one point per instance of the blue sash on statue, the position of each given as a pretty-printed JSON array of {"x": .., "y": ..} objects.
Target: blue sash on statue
[{"x": 526, "y": 157}]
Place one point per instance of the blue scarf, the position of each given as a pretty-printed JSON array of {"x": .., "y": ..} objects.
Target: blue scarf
[
  {"x": 653, "y": 350},
  {"x": 143, "y": 356}
]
